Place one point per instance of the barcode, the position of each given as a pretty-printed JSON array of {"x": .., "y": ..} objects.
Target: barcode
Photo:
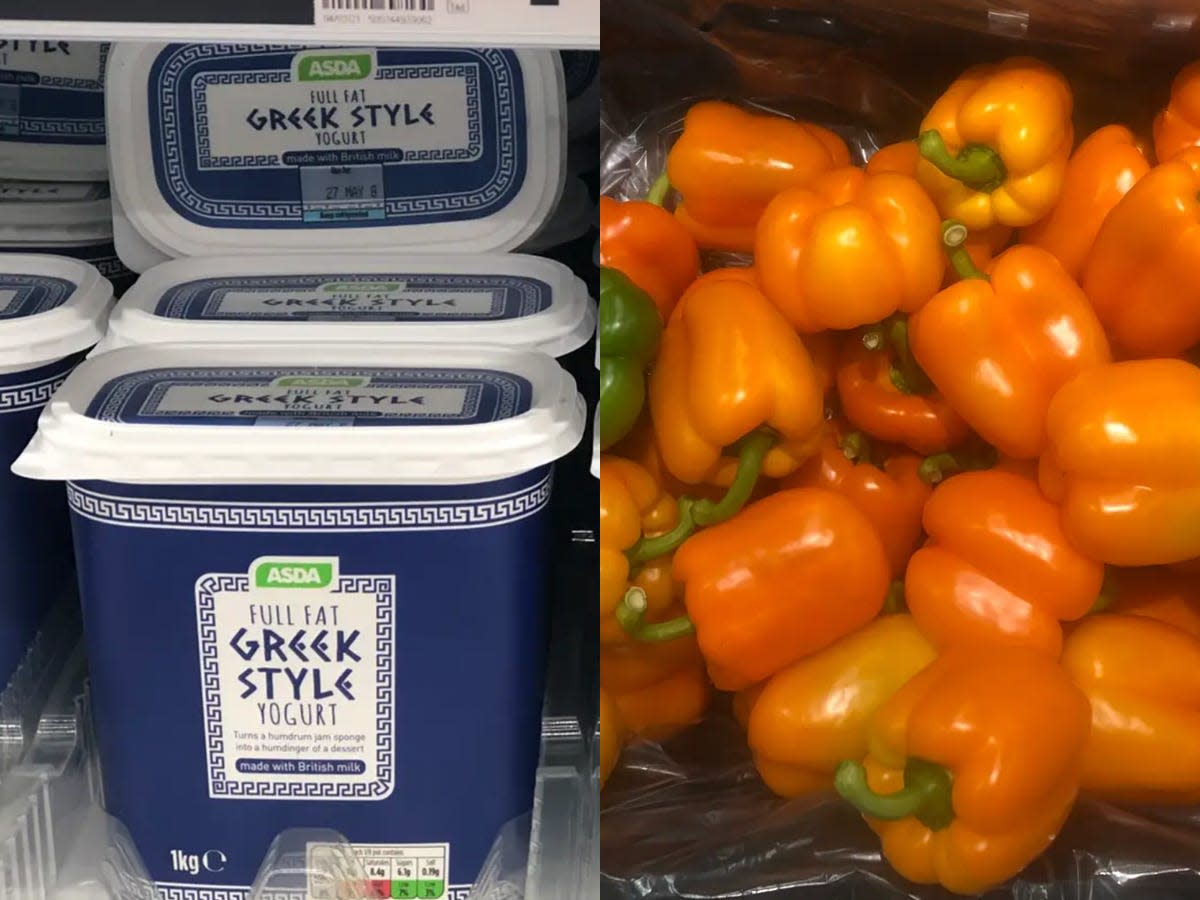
[{"x": 381, "y": 5}]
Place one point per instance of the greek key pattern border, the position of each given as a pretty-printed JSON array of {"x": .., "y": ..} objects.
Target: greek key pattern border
[
  {"x": 174, "y": 891},
  {"x": 222, "y": 788},
  {"x": 80, "y": 84},
  {"x": 209, "y": 293},
  {"x": 31, "y": 395},
  {"x": 204, "y": 157},
  {"x": 432, "y": 515},
  {"x": 479, "y": 201}
]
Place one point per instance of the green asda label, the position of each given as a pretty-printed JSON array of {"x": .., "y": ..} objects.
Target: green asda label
[
  {"x": 328, "y": 67},
  {"x": 294, "y": 573},
  {"x": 362, "y": 287},
  {"x": 321, "y": 381}
]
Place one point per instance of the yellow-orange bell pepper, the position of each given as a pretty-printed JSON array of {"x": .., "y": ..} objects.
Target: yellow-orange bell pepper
[
  {"x": 849, "y": 249},
  {"x": 997, "y": 567},
  {"x": 1143, "y": 680},
  {"x": 1123, "y": 460},
  {"x": 1177, "y": 127},
  {"x": 786, "y": 577},
  {"x": 994, "y": 146},
  {"x": 886, "y": 486},
  {"x": 815, "y": 713},
  {"x": 1157, "y": 592},
  {"x": 729, "y": 163},
  {"x": 729, "y": 365},
  {"x": 657, "y": 690},
  {"x": 1100, "y": 172},
  {"x": 973, "y": 767},
  {"x": 1142, "y": 274},
  {"x": 612, "y": 736},
  {"x": 632, "y": 504},
  {"x": 999, "y": 346},
  {"x": 650, "y": 247}
]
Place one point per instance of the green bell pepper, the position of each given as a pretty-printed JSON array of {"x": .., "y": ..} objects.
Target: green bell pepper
[{"x": 629, "y": 331}]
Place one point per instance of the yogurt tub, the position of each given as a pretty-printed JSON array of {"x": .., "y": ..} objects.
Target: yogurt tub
[
  {"x": 236, "y": 149},
  {"x": 51, "y": 310},
  {"x": 574, "y": 217},
  {"x": 63, "y": 218},
  {"x": 518, "y": 301},
  {"x": 52, "y": 110},
  {"x": 333, "y": 625}
]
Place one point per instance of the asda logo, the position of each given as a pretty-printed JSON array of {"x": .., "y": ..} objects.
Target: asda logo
[
  {"x": 340, "y": 67},
  {"x": 321, "y": 381},
  {"x": 362, "y": 287},
  {"x": 294, "y": 573}
]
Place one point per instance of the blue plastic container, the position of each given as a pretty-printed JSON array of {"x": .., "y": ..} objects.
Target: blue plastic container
[
  {"x": 314, "y": 585},
  {"x": 51, "y": 310}
]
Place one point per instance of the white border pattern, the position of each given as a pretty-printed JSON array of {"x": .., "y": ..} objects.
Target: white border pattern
[{"x": 421, "y": 515}]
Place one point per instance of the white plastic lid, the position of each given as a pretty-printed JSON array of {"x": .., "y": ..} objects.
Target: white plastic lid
[
  {"x": 516, "y": 301},
  {"x": 228, "y": 414},
  {"x": 43, "y": 213},
  {"x": 573, "y": 218},
  {"x": 52, "y": 105},
  {"x": 242, "y": 149},
  {"x": 50, "y": 307}
]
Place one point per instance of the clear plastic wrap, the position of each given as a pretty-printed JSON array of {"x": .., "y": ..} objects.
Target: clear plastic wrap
[{"x": 690, "y": 818}]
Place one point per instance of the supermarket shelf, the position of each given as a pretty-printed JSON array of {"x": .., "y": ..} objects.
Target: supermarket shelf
[{"x": 564, "y": 24}]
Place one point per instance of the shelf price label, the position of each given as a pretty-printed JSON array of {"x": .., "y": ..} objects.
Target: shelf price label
[{"x": 540, "y": 21}]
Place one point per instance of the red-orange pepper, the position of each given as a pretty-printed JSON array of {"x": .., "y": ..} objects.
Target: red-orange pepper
[
  {"x": 1142, "y": 274},
  {"x": 885, "y": 485},
  {"x": 997, "y": 568},
  {"x": 787, "y": 576},
  {"x": 999, "y": 346},
  {"x": 729, "y": 163},
  {"x": 657, "y": 690},
  {"x": 849, "y": 249},
  {"x": 882, "y": 393},
  {"x": 1177, "y": 127},
  {"x": 1157, "y": 592},
  {"x": 650, "y": 247},
  {"x": 1100, "y": 172}
]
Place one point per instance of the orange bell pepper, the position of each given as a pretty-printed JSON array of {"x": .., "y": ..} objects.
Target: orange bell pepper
[
  {"x": 786, "y": 577},
  {"x": 994, "y": 146},
  {"x": 999, "y": 346},
  {"x": 1156, "y": 592},
  {"x": 657, "y": 690},
  {"x": 632, "y": 504},
  {"x": 1123, "y": 460},
  {"x": 1142, "y": 274},
  {"x": 1143, "y": 680},
  {"x": 612, "y": 736},
  {"x": 973, "y": 767},
  {"x": 650, "y": 247},
  {"x": 982, "y": 244},
  {"x": 849, "y": 249},
  {"x": 815, "y": 713},
  {"x": 729, "y": 163},
  {"x": 997, "y": 567},
  {"x": 1177, "y": 127},
  {"x": 883, "y": 393},
  {"x": 728, "y": 366},
  {"x": 886, "y": 487},
  {"x": 1100, "y": 172}
]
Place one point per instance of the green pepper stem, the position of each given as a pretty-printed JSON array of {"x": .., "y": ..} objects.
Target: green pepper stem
[
  {"x": 631, "y": 615},
  {"x": 753, "y": 451},
  {"x": 954, "y": 237},
  {"x": 856, "y": 447},
  {"x": 1108, "y": 594},
  {"x": 977, "y": 166},
  {"x": 894, "y": 601},
  {"x": 906, "y": 373},
  {"x": 659, "y": 190},
  {"x": 650, "y": 548},
  {"x": 940, "y": 466},
  {"x": 926, "y": 795}
]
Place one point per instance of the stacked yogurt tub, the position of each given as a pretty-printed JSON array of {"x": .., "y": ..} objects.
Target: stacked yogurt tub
[
  {"x": 310, "y": 483},
  {"x": 53, "y": 159}
]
